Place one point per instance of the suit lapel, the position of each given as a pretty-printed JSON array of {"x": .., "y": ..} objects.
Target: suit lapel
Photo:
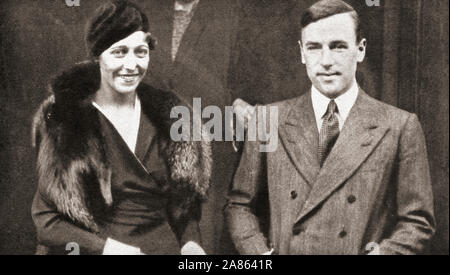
[
  {"x": 360, "y": 135},
  {"x": 300, "y": 136}
]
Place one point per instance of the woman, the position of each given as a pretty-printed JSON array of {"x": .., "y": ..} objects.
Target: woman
[{"x": 110, "y": 178}]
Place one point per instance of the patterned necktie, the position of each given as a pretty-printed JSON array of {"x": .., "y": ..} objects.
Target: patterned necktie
[{"x": 329, "y": 132}]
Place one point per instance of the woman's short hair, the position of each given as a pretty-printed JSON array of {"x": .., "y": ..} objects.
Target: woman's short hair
[{"x": 327, "y": 8}]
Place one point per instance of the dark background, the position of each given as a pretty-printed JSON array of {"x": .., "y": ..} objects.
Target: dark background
[{"x": 406, "y": 66}]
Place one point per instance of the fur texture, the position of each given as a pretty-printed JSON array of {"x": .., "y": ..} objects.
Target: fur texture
[{"x": 73, "y": 170}]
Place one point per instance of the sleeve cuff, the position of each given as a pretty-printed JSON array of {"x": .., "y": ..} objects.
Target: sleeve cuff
[{"x": 113, "y": 247}]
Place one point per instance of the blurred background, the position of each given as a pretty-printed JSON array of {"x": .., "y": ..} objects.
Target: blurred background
[{"x": 251, "y": 46}]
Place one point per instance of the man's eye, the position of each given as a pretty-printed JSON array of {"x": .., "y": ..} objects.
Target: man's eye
[
  {"x": 340, "y": 47},
  {"x": 311, "y": 48}
]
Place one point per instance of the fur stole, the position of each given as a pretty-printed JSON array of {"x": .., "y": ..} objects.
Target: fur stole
[{"x": 73, "y": 171}]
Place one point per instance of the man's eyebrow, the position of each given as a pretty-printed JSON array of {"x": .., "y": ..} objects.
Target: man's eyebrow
[
  {"x": 337, "y": 42},
  {"x": 309, "y": 43}
]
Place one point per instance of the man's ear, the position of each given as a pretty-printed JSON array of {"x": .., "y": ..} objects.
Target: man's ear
[
  {"x": 362, "y": 50},
  {"x": 302, "y": 52}
]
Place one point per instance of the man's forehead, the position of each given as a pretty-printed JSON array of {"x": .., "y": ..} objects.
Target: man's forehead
[{"x": 336, "y": 27}]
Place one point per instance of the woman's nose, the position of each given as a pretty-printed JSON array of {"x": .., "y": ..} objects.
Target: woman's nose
[{"x": 130, "y": 62}]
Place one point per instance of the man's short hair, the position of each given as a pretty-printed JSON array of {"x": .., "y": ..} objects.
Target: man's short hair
[{"x": 327, "y": 8}]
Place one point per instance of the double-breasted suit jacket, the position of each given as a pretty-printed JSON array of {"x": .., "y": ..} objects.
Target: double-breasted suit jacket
[{"x": 373, "y": 190}]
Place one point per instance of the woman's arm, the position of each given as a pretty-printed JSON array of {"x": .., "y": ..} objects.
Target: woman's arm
[
  {"x": 186, "y": 226},
  {"x": 191, "y": 240},
  {"x": 55, "y": 231}
]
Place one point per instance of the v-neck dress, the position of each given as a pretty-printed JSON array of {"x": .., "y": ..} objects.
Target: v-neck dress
[{"x": 139, "y": 186}]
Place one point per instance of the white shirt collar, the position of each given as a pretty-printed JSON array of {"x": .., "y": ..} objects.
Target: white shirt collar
[
  {"x": 344, "y": 103},
  {"x": 186, "y": 7}
]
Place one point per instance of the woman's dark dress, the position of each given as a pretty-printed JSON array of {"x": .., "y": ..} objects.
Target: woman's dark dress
[
  {"x": 139, "y": 187},
  {"x": 140, "y": 215}
]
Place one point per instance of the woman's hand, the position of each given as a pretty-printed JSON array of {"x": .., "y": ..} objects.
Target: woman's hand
[
  {"x": 113, "y": 247},
  {"x": 192, "y": 248}
]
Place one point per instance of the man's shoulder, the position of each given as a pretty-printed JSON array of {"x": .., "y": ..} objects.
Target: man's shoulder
[{"x": 392, "y": 115}]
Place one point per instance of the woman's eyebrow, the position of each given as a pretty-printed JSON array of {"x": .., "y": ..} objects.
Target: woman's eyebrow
[
  {"x": 126, "y": 47},
  {"x": 119, "y": 47}
]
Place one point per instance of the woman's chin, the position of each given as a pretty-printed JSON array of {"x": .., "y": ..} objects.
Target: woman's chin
[{"x": 126, "y": 89}]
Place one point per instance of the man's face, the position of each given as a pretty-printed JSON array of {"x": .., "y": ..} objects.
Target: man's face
[{"x": 330, "y": 51}]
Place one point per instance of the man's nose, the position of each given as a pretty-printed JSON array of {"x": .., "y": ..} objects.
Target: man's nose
[{"x": 326, "y": 59}]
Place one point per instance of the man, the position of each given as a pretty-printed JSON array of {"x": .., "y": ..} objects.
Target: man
[
  {"x": 195, "y": 40},
  {"x": 192, "y": 58},
  {"x": 350, "y": 174}
]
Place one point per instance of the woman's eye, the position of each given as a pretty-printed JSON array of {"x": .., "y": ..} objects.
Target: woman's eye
[
  {"x": 119, "y": 53},
  {"x": 142, "y": 53}
]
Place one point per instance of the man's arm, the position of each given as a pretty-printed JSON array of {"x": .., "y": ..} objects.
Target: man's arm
[
  {"x": 415, "y": 217},
  {"x": 241, "y": 220}
]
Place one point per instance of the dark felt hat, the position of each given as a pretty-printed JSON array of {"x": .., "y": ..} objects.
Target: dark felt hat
[{"x": 113, "y": 22}]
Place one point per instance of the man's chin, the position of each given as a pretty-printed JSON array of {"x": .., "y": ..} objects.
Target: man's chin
[{"x": 330, "y": 92}]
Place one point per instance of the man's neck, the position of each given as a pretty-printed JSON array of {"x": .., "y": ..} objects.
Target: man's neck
[{"x": 186, "y": 6}]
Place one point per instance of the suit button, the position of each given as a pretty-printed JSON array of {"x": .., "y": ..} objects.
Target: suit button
[
  {"x": 342, "y": 234},
  {"x": 351, "y": 199},
  {"x": 294, "y": 195}
]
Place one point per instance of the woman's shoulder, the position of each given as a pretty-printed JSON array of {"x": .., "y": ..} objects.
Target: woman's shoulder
[
  {"x": 40, "y": 118},
  {"x": 159, "y": 97}
]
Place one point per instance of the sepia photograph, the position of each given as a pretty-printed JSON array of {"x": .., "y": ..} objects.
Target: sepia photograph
[{"x": 224, "y": 127}]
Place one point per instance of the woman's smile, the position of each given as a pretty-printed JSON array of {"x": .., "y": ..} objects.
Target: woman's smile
[{"x": 129, "y": 78}]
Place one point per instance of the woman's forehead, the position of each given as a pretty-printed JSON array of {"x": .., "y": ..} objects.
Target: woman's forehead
[{"x": 133, "y": 40}]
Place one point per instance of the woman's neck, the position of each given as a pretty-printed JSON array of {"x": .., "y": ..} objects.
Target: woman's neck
[{"x": 106, "y": 97}]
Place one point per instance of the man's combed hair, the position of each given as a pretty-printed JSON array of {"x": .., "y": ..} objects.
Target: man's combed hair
[{"x": 327, "y": 8}]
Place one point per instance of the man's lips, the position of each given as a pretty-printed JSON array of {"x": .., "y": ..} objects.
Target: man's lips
[
  {"x": 128, "y": 75},
  {"x": 328, "y": 74}
]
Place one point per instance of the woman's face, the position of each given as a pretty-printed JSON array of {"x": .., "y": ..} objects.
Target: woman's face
[{"x": 124, "y": 64}]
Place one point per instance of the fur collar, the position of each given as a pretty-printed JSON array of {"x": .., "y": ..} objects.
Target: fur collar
[{"x": 72, "y": 166}]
